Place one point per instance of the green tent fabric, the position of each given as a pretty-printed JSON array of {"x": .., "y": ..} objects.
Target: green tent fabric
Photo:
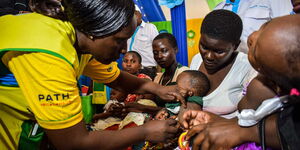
[
  {"x": 213, "y": 3},
  {"x": 163, "y": 26}
]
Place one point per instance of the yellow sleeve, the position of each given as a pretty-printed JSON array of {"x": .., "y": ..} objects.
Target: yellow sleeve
[
  {"x": 50, "y": 87},
  {"x": 100, "y": 72}
]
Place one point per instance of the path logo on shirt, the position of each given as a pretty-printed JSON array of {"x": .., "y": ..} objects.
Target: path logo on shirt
[
  {"x": 109, "y": 69},
  {"x": 53, "y": 97}
]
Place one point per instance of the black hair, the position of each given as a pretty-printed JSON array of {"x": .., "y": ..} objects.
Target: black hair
[
  {"x": 170, "y": 37},
  {"x": 13, "y": 6},
  {"x": 224, "y": 25},
  {"x": 199, "y": 81},
  {"x": 136, "y": 54},
  {"x": 97, "y": 18}
]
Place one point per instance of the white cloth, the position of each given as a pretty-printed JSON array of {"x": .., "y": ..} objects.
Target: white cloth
[
  {"x": 110, "y": 102},
  {"x": 250, "y": 117},
  {"x": 143, "y": 43},
  {"x": 254, "y": 13},
  {"x": 224, "y": 99},
  {"x": 137, "y": 118}
]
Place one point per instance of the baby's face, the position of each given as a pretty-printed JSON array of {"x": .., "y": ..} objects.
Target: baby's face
[
  {"x": 162, "y": 115},
  {"x": 183, "y": 84},
  {"x": 117, "y": 95}
]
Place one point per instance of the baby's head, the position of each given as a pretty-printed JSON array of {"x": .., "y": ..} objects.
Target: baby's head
[
  {"x": 132, "y": 62},
  {"x": 117, "y": 95},
  {"x": 192, "y": 83}
]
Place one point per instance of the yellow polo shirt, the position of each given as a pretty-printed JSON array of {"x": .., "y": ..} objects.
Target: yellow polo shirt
[{"x": 39, "y": 52}]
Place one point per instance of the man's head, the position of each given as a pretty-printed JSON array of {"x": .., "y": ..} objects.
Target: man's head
[
  {"x": 192, "y": 83},
  {"x": 164, "y": 49},
  {"x": 274, "y": 51},
  {"x": 138, "y": 15},
  {"x": 296, "y": 5},
  {"x": 220, "y": 36},
  {"x": 132, "y": 62}
]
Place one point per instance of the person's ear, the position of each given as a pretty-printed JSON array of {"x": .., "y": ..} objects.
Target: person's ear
[
  {"x": 176, "y": 50},
  {"x": 237, "y": 45},
  {"x": 51, "y": 8}
]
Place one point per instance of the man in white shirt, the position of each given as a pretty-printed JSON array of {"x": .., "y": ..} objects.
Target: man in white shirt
[
  {"x": 141, "y": 42},
  {"x": 254, "y": 13}
]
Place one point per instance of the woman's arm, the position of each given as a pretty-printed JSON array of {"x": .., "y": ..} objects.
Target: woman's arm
[
  {"x": 46, "y": 80},
  {"x": 136, "y": 107},
  {"x": 77, "y": 137},
  {"x": 101, "y": 116},
  {"x": 131, "y": 84}
]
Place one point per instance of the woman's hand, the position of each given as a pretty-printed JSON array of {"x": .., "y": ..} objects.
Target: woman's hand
[
  {"x": 117, "y": 110},
  {"x": 218, "y": 135},
  {"x": 192, "y": 118},
  {"x": 170, "y": 94},
  {"x": 160, "y": 130}
]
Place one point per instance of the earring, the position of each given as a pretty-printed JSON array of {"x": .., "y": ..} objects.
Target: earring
[
  {"x": 258, "y": 69},
  {"x": 91, "y": 37}
]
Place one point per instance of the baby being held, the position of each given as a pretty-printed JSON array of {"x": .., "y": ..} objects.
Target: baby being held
[{"x": 192, "y": 85}]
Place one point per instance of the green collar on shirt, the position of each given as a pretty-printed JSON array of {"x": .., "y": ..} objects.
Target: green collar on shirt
[{"x": 196, "y": 99}]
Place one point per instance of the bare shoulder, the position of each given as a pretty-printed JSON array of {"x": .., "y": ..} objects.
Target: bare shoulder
[{"x": 258, "y": 90}]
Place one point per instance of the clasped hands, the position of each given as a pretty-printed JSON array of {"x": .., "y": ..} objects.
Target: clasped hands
[{"x": 207, "y": 131}]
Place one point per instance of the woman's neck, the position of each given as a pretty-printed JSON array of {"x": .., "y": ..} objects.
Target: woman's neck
[
  {"x": 80, "y": 43},
  {"x": 171, "y": 70}
]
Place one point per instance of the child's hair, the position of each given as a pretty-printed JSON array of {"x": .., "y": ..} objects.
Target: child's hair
[
  {"x": 136, "y": 54},
  {"x": 199, "y": 81}
]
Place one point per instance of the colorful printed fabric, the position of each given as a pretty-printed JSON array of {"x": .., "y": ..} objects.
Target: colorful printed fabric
[
  {"x": 249, "y": 146},
  {"x": 133, "y": 97}
]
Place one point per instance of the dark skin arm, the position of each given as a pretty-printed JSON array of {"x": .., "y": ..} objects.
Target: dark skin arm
[
  {"x": 77, "y": 137},
  {"x": 115, "y": 110},
  {"x": 226, "y": 134},
  {"x": 136, "y": 107},
  {"x": 257, "y": 92},
  {"x": 131, "y": 84},
  {"x": 101, "y": 116}
]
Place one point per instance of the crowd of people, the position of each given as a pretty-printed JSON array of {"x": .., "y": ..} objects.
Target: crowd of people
[{"x": 230, "y": 97}]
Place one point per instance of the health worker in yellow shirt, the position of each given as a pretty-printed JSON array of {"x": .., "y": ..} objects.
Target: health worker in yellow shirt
[{"x": 42, "y": 56}]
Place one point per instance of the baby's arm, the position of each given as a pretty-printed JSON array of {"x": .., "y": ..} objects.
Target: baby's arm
[{"x": 103, "y": 115}]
